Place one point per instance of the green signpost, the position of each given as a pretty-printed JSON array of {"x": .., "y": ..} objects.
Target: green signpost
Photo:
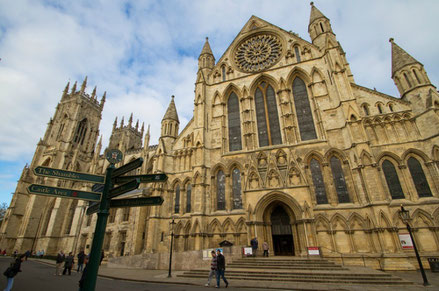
[
  {"x": 63, "y": 193},
  {"x": 143, "y": 178},
  {"x": 68, "y": 175},
  {"x": 136, "y": 202}
]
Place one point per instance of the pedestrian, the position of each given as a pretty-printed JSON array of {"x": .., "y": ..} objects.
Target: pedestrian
[
  {"x": 12, "y": 271},
  {"x": 81, "y": 281},
  {"x": 265, "y": 247},
  {"x": 4, "y": 252},
  {"x": 27, "y": 254},
  {"x": 102, "y": 257},
  {"x": 42, "y": 253},
  {"x": 81, "y": 257},
  {"x": 213, "y": 268},
  {"x": 221, "y": 269},
  {"x": 59, "y": 260},
  {"x": 68, "y": 264},
  {"x": 15, "y": 253},
  {"x": 254, "y": 244}
]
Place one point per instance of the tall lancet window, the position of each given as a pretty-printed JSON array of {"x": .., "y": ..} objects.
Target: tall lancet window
[
  {"x": 177, "y": 200},
  {"x": 339, "y": 181},
  {"x": 267, "y": 116},
  {"x": 189, "y": 198},
  {"x": 234, "y": 123},
  {"x": 419, "y": 178},
  {"x": 303, "y": 110},
  {"x": 392, "y": 180},
  {"x": 81, "y": 131},
  {"x": 220, "y": 191},
  {"x": 319, "y": 183},
  {"x": 236, "y": 189}
]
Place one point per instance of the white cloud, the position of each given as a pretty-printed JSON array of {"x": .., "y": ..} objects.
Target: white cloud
[{"x": 142, "y": 52}]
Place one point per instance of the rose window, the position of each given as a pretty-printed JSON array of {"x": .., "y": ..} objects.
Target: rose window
[{"x": 258, "y": 52}]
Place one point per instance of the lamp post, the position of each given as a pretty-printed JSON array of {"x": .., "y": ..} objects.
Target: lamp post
[
  {"x": 405, "y": 217},
  {"x": 170, "y": 249}
]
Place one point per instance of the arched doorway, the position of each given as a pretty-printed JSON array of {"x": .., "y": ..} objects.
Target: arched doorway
[{"x": 282, "y": 235}]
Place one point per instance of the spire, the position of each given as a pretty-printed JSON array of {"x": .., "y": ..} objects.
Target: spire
[
  {"x": 206, "y": 58},
  {"x": 315, "y": 14},
  {"x": 146, "y": 141},
  {"x": 74, "y": 88},
  {"x": 115, "y": 123},
  {"x": 137, "y": 125},
  {"x": 400, "y": 58},
  {"x": 84, "y": 85},
  {"x": 66, "y": 89},
  {"x": 143, "y": 128},
  {"x": 171, "y": 113},
  {"x": 93, "y": 94},
  {"x": 130, "y": 121},
  {"x": 206, "y": 48},
  {"x": 121, "y": 123},
  {"x": 103, "y": 98}
]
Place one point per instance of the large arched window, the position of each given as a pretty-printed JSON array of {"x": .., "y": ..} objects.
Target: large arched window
[
  {"x": 339, "y": 181},
  {"x": 188, "y": 198},
  {"x": 70, "y": 216},
  {"x": 303, "y": 110},
  {"x": 177, "y": 200},
  {"x": 234, "y": 123},
  {"x": 81, "y": 131},
  {"x": 392, "y": 180},
  {"x": 319, "y": 183},
  {"x": 236, "y": 189},
  {"x": 47, "y": 217},
  {"x": 419, "y": 178},
  {"x": 266, "y": 115},
  {"x": 220, "y": 191}
]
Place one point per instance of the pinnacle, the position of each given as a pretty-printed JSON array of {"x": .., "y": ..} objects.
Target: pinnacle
[
  {"x": 206, "y": 48},
  {"x": 400, "y": 58},
  {"x": 315, "y": 14},
  {"x": 171, "y": 112}
]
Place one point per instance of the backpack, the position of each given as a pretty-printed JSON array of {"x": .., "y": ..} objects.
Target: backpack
[{"x": 9, "y": 273}]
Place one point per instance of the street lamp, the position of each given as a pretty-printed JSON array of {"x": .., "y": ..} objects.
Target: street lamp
[
  {"x": 170, "y": 249},
  {"x": 405, "y": 217}
]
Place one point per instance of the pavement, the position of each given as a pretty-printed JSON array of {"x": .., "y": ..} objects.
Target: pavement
[{"x": 161, "y": 277}]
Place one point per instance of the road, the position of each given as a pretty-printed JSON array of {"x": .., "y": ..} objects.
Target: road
[{"x": 36, "y": 276}]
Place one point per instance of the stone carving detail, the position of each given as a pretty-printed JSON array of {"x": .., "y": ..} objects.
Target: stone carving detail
[{"x": 258, "y": 53}]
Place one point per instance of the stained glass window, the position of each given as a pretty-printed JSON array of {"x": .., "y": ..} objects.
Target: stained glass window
[
  {"x": 296, "y": 51},
  {"x": 319, "y": 184},
  {"x": 236, "y": 189},
  {"x": 234, "y": 123},
  {"x": 188, "y": 198},
  {"x": 392, "y": 180},
  {"x": 177, "y": 200},
  {"x": 339, "y": 181},
  {"x": 303, "y": 110},
  {"x": 267, "y": 115},
  {"x": 221, "y": 190},
  {"x": 70, "y": 216},
  {"x": 419, "y": 178}
]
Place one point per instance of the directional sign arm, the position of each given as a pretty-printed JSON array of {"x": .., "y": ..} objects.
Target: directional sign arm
[
  {"x": 63, "y": 193},
  {"x": 136, "y": 202},
  {"x": 128, "y": 167},
  {"x": 143, "y": 178},
  {"x": 124, "y": 188},
  {"x": 68, "y": 175}
]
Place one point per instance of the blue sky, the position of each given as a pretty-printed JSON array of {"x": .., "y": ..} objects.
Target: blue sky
[{"x": 142, "y": 52}]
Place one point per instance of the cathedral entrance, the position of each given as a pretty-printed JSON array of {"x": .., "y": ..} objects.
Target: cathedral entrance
[{"x": 283, "y": 244}]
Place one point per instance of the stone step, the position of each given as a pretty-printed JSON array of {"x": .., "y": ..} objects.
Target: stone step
[
  {"x": 298, "y": 267},
  {"x": 283, "y": 262},
  {"x": 371, "y": 281}
]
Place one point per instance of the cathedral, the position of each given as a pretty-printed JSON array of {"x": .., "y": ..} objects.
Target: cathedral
[{"x": 283, "y": 145}]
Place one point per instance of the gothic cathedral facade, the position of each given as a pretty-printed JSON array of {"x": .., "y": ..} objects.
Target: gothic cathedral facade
[{"x": 283, "y": 145}]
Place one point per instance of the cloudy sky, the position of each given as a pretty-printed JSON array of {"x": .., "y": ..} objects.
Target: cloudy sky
[{"x": 142, "y": 52}]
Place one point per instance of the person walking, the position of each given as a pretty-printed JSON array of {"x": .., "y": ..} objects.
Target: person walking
[
  {"x": 254, "y": 244},
  {"x": 59, "y": 260},
  {"x": 27, "y": 254},
  {"x": 12, "y": 271},
  {"x": 265, "y": 248},
  {"x": 68, "y": 264},
  {"x": 81, "y": 281},
  {"x": 221, "y": 269},
  {"x": 213, "y": 268},
  {"x": 81, "y": 257}
]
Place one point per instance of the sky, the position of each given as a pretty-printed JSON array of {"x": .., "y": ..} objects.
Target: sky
[{"x": 142, "y": 52}]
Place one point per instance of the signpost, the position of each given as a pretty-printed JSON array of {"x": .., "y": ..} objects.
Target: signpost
[
  {"x": 102, "y": 192},
  {"x": 63, "y": 193},
  {"x": 136, "y": 202}
]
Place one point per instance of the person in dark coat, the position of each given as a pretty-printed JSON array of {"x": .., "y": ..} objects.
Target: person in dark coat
[
  {"x": 221, "y": 268},
  {"x": 81, "y": 281},
  {"x": 59, "y": 260},
  {"x": 254, "y": 243},
  {"x": 81, "y": 257},
  {"x": 102, "y": 257},
  {"x": 68, "y": 264},
  {"x": 27, "y": 254},
  {"x": 12, "y": 271}
]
